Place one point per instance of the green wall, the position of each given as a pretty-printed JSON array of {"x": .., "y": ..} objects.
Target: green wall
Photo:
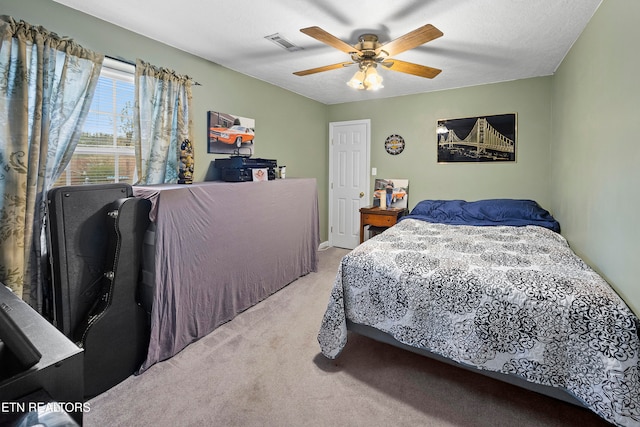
[
  {"x": 595, "y": 155},
  {"x": 415, "y": 118},
  {"x": 290, "y": 128}
]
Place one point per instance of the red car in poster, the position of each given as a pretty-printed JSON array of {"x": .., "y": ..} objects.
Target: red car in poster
[{"x": 234, "y": 135}]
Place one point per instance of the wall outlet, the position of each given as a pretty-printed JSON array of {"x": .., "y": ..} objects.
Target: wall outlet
[{"x": 374, "y": 171}]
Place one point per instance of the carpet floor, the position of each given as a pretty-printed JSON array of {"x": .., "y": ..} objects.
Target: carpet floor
[{"x": 264, "y": 368}]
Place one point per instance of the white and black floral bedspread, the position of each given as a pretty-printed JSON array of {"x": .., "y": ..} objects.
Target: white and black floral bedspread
[{"x": 515, "y": 300}]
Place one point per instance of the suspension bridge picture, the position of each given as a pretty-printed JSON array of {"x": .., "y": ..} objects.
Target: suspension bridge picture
[{"x": 477, "y": 139}]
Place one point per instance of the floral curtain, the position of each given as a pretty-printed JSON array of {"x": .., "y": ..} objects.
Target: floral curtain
[
  {"x": 163, "y": 101},
  {"x": 46, "y": 86}
]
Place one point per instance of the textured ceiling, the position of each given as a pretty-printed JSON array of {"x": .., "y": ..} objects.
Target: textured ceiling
[{"x": 485, "y": 41}]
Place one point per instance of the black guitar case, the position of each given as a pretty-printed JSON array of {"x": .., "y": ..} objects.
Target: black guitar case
[
  {"x": 78, "y": 239},
  {"x": 115, "y": 334}
]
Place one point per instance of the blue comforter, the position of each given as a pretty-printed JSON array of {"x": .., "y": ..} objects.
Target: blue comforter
[{"x": 512, "y": 212}]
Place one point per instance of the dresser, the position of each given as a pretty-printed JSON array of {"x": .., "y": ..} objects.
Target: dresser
[{"x": 215, "y": 249}]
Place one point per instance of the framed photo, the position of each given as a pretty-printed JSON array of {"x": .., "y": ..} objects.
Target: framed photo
[
  {"x": 260, "y": 174},
  {"x": 477, "y": 139},
  {"x": 395, "y": 192},
  {"x": 230, "y": 134}
]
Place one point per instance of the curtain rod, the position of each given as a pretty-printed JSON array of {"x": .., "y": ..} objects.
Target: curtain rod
[{"x": 126, "y": 61}]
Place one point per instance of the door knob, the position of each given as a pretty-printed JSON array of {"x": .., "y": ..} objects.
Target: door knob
[{"x": 361, "y": 194}]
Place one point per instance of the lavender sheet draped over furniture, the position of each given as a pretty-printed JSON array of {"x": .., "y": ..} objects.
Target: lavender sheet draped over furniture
[
  {"x": 505, "y": 299},
  {"x": 221, "y": 248}
]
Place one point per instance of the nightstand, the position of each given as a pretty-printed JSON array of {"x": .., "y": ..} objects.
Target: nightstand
[{"x": 380, "y": 218}]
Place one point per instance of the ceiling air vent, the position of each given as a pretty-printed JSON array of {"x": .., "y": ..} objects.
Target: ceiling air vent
[{"x": 283, "y": 43}]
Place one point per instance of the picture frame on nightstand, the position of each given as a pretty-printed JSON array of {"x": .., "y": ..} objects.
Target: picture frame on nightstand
[{"x": 395, "y": 191}]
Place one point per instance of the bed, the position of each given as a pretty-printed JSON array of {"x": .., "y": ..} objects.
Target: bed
[{"x": 492, "y": 286}]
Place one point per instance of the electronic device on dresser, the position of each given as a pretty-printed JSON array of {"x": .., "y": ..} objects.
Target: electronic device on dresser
[{"x": 240, "y": 168}]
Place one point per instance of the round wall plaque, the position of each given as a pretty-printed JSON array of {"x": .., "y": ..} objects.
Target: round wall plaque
[{"x": 394, "y": 144}]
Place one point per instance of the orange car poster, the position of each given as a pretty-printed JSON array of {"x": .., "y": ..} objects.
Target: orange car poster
[{"x": 230, "y": 134}]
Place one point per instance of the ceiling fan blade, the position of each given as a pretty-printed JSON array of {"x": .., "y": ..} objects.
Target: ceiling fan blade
[
  {"x": 321, "y": 69},
  {"x": 411, "y": 68},
  {"x": 329, "y": 39},
  {"x": 410, "y": 40}
]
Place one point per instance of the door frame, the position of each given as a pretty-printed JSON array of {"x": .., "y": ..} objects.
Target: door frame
[{"x": 367, "y": 178}]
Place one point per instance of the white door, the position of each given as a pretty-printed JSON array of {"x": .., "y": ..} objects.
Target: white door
[{"x": 349, "y": 180}]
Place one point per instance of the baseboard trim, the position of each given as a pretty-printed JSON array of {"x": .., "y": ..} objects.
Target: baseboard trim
[{"x": 324, "y": 246}]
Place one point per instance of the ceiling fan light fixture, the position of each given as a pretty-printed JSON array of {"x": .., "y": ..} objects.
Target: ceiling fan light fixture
[
  {"x": 366, "y": 78},
  {"x": 373, "y": 80},
  {"x": 357, "y": 81}
]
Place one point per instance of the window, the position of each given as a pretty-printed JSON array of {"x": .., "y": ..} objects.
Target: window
[{"x": 105, "y": 152}]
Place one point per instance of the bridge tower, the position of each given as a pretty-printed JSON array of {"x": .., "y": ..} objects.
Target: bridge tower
[{"x": 482, "y": 125}]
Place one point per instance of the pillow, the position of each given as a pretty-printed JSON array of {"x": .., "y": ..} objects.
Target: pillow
[{"x": 515, "y": 212}]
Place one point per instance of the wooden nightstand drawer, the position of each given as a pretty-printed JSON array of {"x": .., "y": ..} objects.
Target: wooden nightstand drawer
[{"x": 378, "y": 220}]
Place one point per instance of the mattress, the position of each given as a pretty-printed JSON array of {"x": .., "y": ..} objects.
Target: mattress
[{"x": 509, "y": 299}]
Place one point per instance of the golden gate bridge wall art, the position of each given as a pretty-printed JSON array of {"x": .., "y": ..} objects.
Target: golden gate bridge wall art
[{"x": 477, "y": 139}]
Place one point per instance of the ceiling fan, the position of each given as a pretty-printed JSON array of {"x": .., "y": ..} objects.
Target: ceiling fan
[{"x": 369, "y": 52}]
